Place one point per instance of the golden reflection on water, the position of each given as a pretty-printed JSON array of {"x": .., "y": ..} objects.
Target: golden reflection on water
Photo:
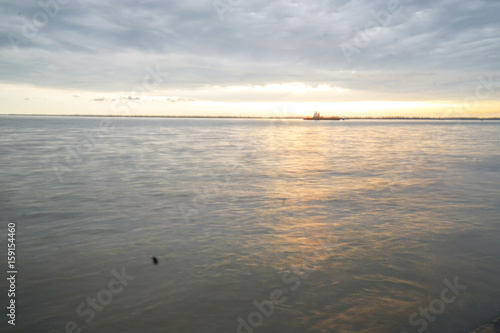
[
  {"x": 349, "y": 210},
  {"x": 369, "y": 216}
]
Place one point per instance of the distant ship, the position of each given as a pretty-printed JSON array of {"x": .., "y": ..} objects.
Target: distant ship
[{"x": 317, "y": 116}]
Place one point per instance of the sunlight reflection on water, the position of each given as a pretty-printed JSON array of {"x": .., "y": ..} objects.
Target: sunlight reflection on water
[{"x": 364, "y": 219}]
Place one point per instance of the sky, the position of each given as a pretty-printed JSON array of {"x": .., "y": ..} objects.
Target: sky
[{"x": 250, "y": 58}]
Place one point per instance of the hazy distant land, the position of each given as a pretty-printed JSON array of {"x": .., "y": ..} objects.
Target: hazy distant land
[{"x": 256, "y": 117}]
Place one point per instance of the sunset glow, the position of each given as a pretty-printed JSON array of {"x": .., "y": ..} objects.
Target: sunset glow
[{"x": 374, "y": 58}]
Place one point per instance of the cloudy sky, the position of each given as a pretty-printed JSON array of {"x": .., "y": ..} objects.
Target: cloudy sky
[{"x": 250, "y": 57}]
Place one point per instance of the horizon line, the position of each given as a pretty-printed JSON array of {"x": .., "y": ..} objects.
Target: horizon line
[{"x": 251, "y": 117}]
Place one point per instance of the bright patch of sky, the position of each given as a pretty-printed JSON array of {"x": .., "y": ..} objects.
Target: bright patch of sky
[{"x": 250, "y": 56}]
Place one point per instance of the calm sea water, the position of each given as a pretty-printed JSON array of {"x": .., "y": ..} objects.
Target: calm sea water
[{"x": 258, "y": 225}]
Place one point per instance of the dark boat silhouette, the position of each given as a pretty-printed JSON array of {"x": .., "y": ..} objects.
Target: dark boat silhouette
[{"x": 317, "y": 116}]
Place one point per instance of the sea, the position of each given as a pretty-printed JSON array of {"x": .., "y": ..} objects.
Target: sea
[{"x": 257, "y": 225}]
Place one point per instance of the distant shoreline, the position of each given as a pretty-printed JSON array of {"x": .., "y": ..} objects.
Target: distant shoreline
[{"x": 249, "y": 117}]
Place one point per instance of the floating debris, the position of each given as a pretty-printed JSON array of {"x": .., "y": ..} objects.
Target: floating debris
[{"x": 492, "y": 327}]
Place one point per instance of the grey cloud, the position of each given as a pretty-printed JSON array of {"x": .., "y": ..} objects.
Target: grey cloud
[
  {"x": 108, "y": 45},
  {"x": 179, "y": 99}
]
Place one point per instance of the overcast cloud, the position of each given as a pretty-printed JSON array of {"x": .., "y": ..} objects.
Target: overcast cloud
[{"x": 423, "y": 50}]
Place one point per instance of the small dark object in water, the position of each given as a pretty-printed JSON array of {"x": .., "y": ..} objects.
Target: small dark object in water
[
  {"x": 491, "y": 327},
  {"x": 155, "y": 260}
]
